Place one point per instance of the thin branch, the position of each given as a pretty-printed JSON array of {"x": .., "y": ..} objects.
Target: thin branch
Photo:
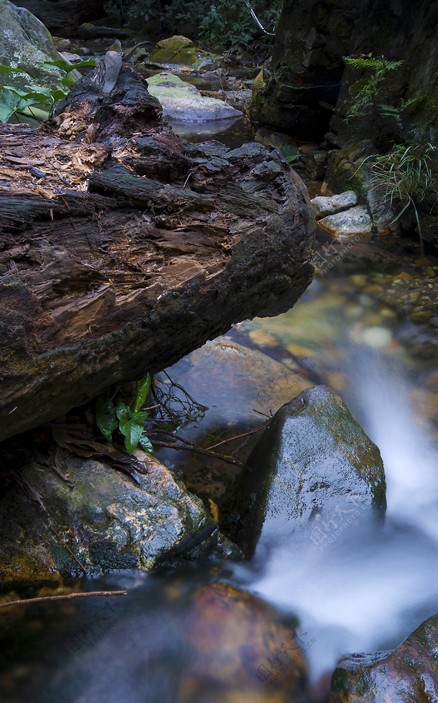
[
  {"x": 238, "y": 436},
  {"x": 66, "y": 596},
  {"x": 198, "y": 450}
]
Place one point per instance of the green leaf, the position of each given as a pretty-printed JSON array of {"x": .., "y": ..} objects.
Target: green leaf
[
  {"x": 132, "y": 433},
  {"x": 143, "y": 387},
  {"x": 9, "y": 102},
  {"x": 140, "y": 416},
  {"x": 123, "y": 412},
  {"x": 145, "y": 443},
  {"x": 9, "y": 69},
  {"x": 106, "y": 418},
  {"x": 290, "y": 152},
  {"x": 66, "y": 66}
]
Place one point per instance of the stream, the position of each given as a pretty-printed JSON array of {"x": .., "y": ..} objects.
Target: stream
[{"x": 367, "y": 328}]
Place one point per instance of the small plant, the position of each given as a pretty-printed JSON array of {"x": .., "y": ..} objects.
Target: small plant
[
  {"x": 290, "y": 153},
  {"x": 221, "y": 24},
  {"x": 129, "y": 420},
  {"x": 403, "y": 177},
  {"x": 228, "y": 25},
  {"x": 368, "y": 92},
  {"x": 35, "y": 100}
]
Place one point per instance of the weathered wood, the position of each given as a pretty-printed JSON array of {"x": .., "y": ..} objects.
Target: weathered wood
[{"x": 123, "y": 247}]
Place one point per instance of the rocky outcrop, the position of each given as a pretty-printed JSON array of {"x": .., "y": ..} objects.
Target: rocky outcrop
[
  {"x": 91, "y": 519},
  {"x": 314, "y": 472},
  {"x": 62, "y": 17},
  {"x": 308, "y": 70},
  {"x": 127, "y": 247},
  {"x": 409, "y": 674}
]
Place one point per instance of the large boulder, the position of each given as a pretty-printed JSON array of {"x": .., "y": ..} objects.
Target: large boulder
[
  {"x": 314, "y": 473},
  {"x": 409, "y": 674},
  {"x": 175, "y": 641},
  {"x": 180, "y": 51},
  {"x": 25, "y": 44},
  {"x": 236, "y": 386},
  {"x": 93, "y": 519},
  {"x": 183, "y": 102},
  {"x": 308, "y": 72}
]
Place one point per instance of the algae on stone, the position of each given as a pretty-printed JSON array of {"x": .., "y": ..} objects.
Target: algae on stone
[
  {"x": 25, "y": 44},
  {"x": 103, "y": 523}
]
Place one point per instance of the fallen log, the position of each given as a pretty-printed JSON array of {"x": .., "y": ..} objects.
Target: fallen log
[{"x": 123, "y": 247}]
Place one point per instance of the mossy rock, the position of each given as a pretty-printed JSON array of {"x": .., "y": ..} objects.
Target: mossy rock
[
  {"x": 25, "y": 44},
  {"x": 179, "y": 50},
  {"x": 100, "y": 521}
]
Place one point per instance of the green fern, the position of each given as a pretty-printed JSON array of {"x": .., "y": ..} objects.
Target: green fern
[{"x": 367, "y": 89}]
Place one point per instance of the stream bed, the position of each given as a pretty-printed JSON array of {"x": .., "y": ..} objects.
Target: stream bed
[
  {"x": 351, "y": 592},
  {"x": 367, "y": 328}
]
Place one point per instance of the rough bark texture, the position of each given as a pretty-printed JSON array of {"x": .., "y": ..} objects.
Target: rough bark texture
[
  {"x": 122, "y": 247},
  {"x": 63, "y": 17}
]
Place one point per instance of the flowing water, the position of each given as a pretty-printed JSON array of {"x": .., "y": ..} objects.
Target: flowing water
[
  {"x": 368, "y": 330},
  {"x": 364, "y": 592}
]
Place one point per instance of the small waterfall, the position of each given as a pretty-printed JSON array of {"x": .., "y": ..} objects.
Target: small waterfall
[{"x": 369, "y": 589}]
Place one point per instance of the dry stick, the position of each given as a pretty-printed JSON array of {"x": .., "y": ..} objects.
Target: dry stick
[
  {"x": 198, "y": 450},
  {"x": 238, "y": 436},
  {"x": 66, "y": 596}
]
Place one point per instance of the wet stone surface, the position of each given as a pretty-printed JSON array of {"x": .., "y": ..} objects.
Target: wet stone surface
[
  {"x": 409, "y": 674},
  {"x": 99, "y": 521},
  {"x": 313, "y": 468}
]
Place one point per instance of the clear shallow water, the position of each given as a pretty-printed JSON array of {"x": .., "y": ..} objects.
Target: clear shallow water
[{"x": 362, "y": 590}]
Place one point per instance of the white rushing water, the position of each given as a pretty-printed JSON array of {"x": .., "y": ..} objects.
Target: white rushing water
[{"x": 368, "y": 590}]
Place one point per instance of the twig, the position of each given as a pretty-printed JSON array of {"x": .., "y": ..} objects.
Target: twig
[
  {"x": 192, "y": 448},
  {"x": 66, "y": 596},
  {"x": 238, "y": 436}
]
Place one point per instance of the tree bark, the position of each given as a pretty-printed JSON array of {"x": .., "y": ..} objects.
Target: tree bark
[{"x": 122, "y": 247}]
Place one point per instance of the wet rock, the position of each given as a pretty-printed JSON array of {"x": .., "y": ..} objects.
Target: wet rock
[
  {"x": 313, "y": 471},
  {"x": 99, "y": 521},
  {"x": 241, "y": 651},
  {"x": 323, "y": 206},
  {"x": 409, "y": 674},
  {"x": 179, "y": 50},
  {"x": 236, "y": 386},
  {"x": 183, "y": 102},
  {"x": 178, "y": 642},
  {"x": 25, "y": 44},
  {"x": 355, "y": 221},
  {"x": 315, "y": 162}
]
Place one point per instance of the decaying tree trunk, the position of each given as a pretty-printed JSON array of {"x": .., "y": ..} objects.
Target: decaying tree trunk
[{"x": 123, "y": 247}]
